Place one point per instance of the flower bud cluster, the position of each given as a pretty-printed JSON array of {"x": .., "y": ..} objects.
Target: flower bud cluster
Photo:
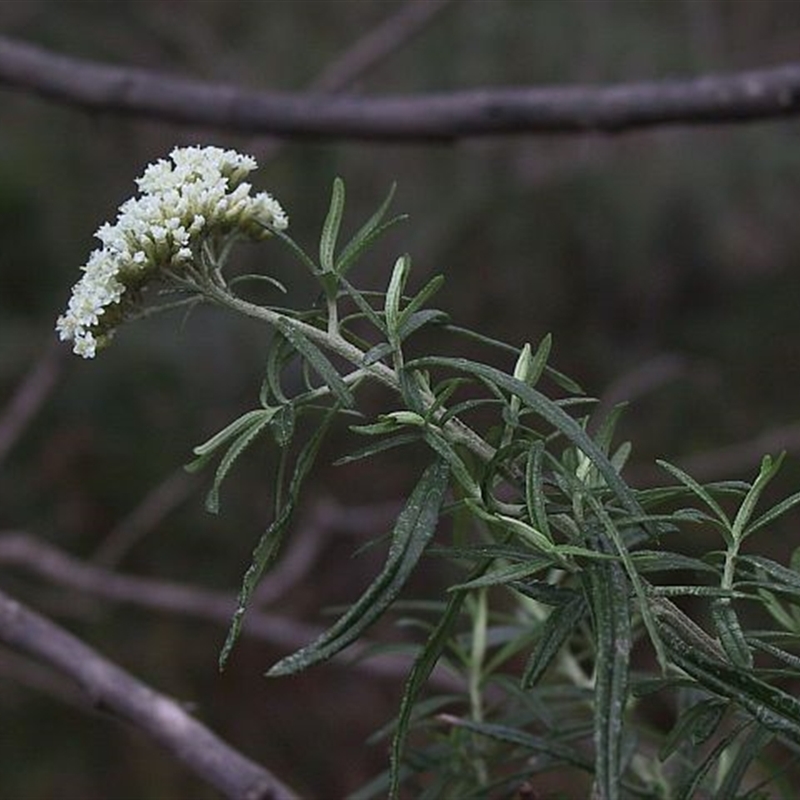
[{"x": 198, "y": 196}]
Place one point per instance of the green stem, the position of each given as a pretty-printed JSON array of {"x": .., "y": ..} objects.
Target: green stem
[{"x": 336, "y": 343}]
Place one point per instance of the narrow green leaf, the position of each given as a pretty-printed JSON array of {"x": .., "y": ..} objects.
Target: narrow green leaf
[
  {"x": 701, "y": 492},
  {"x": 270, "y": 542},
  {"x": 330, "y": 228},
  {"x": 232, "y": 430},
  {"x": 539, "y": 360},
  {"x": 549, "y": 411},
  {"x": 239, "y": 445},
  {"x": 776, "y": 652},
  {"x": 664, "y": 561},
  {"x": 607, "y": 591},
  {"x": 534, "y": 488},
  {"x": 772, "y": 707},
  {"x": 696, "y": 725},
  {"x": 378, "y": 447},
  {"x": 458, "y": 468},
  {"x": 259, "y": 278},
  {"x": 298, "y": 251},
  {"x": 560, "y": 752},
  {"x": 366, "y": 234},
  {"x": 773, "y": 514},
  {"x": 413, "y": 531},
  {"x": 421, "y": 298},
  {"x": 769, "y": 468},
  {"x": 277, "y": 354},
  {"x": 777, "y": 573},
  {"x": 729, "y": 631},
  {"x": 282, "y": 425},
  {"x": 318, "y": 360},
  {"x": 394, "y": 294},
  {"x": 363, "y": 305},
  {"x": 553, "y": 634},
  {"x": 691, "y": 788},
  {"x": 505, "y": 574},
  {"x": 746, "y": 753}
]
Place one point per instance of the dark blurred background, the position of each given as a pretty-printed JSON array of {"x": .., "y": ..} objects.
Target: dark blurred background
[{"x": 664, "y": 263}]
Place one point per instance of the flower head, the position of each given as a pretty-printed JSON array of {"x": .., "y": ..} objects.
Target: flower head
[{"x": 197, "y": 197}]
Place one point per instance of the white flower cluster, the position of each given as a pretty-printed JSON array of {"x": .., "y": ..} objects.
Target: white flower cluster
[{"x": 197, "y": 195}]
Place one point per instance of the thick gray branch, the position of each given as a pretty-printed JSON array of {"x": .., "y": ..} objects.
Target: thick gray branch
[
  {"x": 119, "y": 693},
  {"x": 736, "y": 97}
]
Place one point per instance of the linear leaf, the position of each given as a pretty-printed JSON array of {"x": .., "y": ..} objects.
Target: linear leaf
[
  {"x": 558, "y": 751},
  {"x": 772, "y": 707},
  {"x": 768, "y": 470},
  {"x": 773, "y": 513},
  {"x": 730, "y": 633},
  {"x": 378, "y": 447},
  {"x": 239, "y": 445},
  {"x": 422, "y": 297},
  {"x": 746, "y": 753},
  {"x": 555, "y": 631},
  {"x": 318, "y": 360},
  {"x": 366, "y": 234},
  {"x": 394, "y": 294},
  {"x": 414, "y": 528},
  {"x": 232, "y": 430},
  {"x": 701, "y": 492},
  {"x": 330, "y": 228},
  {"x": 608, "y": 598},
  {"x": 534, "y": 489},
  {"x": 269, "y": 544},
  {"x": 696, "y": 725}
]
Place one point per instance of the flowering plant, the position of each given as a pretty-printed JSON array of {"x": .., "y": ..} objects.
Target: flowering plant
[{"x": 570, "y": 611}]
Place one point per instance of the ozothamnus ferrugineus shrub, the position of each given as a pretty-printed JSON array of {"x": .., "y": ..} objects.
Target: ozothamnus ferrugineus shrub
[{"x": 565, "y": 567}]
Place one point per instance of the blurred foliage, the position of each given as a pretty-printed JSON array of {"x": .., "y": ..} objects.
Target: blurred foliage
[{"x": 675, "y": 241}]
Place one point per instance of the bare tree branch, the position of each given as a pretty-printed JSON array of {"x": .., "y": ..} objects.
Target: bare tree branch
[
  {"x": 724, "y": 98},
  {"x": 114, "y": 690}
]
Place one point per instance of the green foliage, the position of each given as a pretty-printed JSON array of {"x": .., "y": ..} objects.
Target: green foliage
[{"x": 569, "y": 584}]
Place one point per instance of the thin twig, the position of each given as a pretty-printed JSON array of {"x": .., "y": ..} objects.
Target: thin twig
[
  {"x": 115, "y": 691},
  {"x": 30, "y": 396},
  {"x": 154, "y": 507},
  {"x": 377, "y": 45},
  {"x": 759, "y": 94}
]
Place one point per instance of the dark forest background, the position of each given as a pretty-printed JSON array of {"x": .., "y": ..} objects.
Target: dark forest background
[{"x": 664, "y": 263}]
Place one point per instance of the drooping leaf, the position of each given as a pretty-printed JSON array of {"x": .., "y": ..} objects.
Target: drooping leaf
[
  {"x": 414, "y": 528},
  {"x": 231, "y": 431},
  {"x": 239, "y": 445},
  {"x": 270, "y": 542}
]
